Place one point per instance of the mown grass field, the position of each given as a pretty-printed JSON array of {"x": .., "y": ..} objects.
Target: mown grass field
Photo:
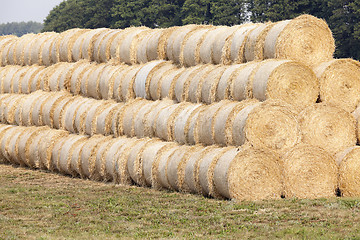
[{"x": 42, "y": 205}]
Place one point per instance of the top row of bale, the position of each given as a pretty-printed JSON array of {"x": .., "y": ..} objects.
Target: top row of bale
[{"x": 306, "y": 39}]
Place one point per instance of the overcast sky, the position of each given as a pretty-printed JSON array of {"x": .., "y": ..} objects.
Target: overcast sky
[{"x": 25, "y": 10}]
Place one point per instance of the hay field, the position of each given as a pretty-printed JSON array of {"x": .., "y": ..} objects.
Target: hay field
[{"x": 43, "y": 205}]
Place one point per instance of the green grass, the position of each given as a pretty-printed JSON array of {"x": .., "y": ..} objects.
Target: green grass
[{"x": 41, "y": 205}]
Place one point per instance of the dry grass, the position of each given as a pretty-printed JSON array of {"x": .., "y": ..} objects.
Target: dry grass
[{"x": 41, "y": 205}]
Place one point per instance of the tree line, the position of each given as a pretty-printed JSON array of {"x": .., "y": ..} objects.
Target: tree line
[
  {"x": 20, "y": 28},
  {"x": 343, "y": 16}
]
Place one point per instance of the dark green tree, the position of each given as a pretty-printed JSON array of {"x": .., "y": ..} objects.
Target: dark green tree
[
  {"x": 196, "y": 12},
  {"x": 228, "y": 12},
  {"x": 345, "y": 24}
]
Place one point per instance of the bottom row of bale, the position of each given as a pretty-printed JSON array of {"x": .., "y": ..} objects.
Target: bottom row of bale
[{"x": 242, "y": 173}]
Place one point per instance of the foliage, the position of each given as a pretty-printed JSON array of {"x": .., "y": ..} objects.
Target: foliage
[{"x": 20, "y": 28}]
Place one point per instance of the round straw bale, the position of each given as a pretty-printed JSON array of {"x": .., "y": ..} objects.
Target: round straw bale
[
  {"x": 127, "y": 83},
  {"x": 271, "y": 125},
  {"x": 126, "y": 51},
  {"x": 180, "y": 123},
  {"x": 306, "y": 39},
  {"x": 21, "y": 146},
  {"x": 66, "y": 42},
  {"x": 107, "y": 80},
  {"x": 234, "y": 47},
  {"x": 3, "y": 129},
  {"x": 176, "y": 166},
  {"x": 164, "y": 122},
  {"x": 90, "y": 118},
  {"x": 127, "y": 118},
  {"x": 340, "y": 83},
  {"x": 77, "y": 75},
  {"x": 88, "y": 43},
  {"x": 254, "y": 45},
  {"x": 69, "y": 113},
  {"x": 90, "y": 84},
  {"x": 210, "y": 85},
  {"x": 348, "y": 162},
  {"x": 37, "y": 108},
  {"x": 151, "y": 117},
  {"x": 45, "y": 56},
  {"x": 87, "y": 152},
  {"x": 15, "y": 85},
  {"x": 159, "y": 168},
  {"x": 121, "y": 167},
  {"x": 9, "y": 107},
  {"x": 75, "y": 158},
  {"x": 140, "y": 47},
  {"x": 37, "y": 48},
  {"x": 28, "y": 48},
  {"x": 99, "y": 42},
  {"x": 11, "y": 53},
  {"x": 193, "y": 91},
  {"x": 206, "y": 167},
  {"x": 104, "y": 51},
  {"x": 153, "y": 44},
  {"x": 55, "y": 153},
  {"x": 221, "y": 121},
  {"x": 175, "y": 41},
  {"x": 45, "y": 148},
  {"x": 204, "y": 49},
  {"x": 58, "y": 111},
  {"x": 117, "y": 78},
  {"x": 167, "y": 83},
  {"x": 217, "y": 47},
  {"x": 163, "y": 42},
  {"x": 107, "y": 119},
  {"x": 80, "y": 117},
  {"x": 225, "y": 82},
  {"x": 153, "y": 89},
  {"x": 134, "y": 160},
  {"x": 7, "y": 78},
  {"x": 139, "y": 118},
  {"x": 39, "y": 79},
  {"x": 5, "y": 43},
  {"x": 191, "y": 177},
  {"x": 50, "y": 106},
  {"x": 289, "y": 81},
  {"x": 53, "y": 76},
  {"x": 77, "y": 47},
  {"x": 110, "y": 158},
  {"x": 116, "y": 41},
  {"x": 98, "y": 163},
  {"x": 26, "y": 107},
  {"x": 240, "y": 81},
  {"x": 20, "y": 48},
  {"x": 11, "y": 146},
  {"x": 309, "y": 172},
  {"x": 190, "y": 125},
  {"x": 181, "y": 88},
  {"x": 147, "y": 159},
  {"x": 328, "y": 127},
  {"x": 66, "y": 152},
  {"x": 27, "y": 78},
  {"x": 141, "y": 78},
  {"x": 5, "y": 138},
  {"x": 190, "y": 49},
  {"x": 253, "y": 174},
  {"x": 205, "y": 123}
]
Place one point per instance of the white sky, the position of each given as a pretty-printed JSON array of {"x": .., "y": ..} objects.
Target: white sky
[{"x": 26, "y": 10}]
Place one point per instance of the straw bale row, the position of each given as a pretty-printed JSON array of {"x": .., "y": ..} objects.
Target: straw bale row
[
  {"x": 146, "y": 162},
  {"x": 271, "y": 125},
  {"x": 187, "y": 45},
  {"x": 286, "y": 80}
]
